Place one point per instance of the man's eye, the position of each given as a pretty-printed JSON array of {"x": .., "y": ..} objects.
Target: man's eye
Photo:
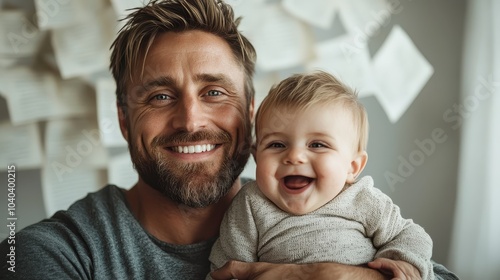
[
  {"x": 161, "y": 97},
  {"x": 214, "y": 93}
]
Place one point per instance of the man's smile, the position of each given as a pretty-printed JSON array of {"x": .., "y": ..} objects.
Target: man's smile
[{"x": 193, "y": 149}]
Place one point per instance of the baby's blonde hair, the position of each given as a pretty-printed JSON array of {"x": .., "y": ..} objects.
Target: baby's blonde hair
[{"x": 300, "y": 91}]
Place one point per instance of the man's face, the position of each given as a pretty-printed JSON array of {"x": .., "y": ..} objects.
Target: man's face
[{"x": 188, "y": 124}]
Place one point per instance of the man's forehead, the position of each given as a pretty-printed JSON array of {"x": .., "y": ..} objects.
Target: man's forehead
[{"x": 198, "y": 53}]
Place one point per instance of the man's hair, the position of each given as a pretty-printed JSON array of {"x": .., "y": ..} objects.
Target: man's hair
[
  {"x": 130, "y": 48},
  {"x": 300, "y": 91}
]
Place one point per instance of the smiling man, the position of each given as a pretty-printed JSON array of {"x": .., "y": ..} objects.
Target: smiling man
[{"x": 187, "y": 124}]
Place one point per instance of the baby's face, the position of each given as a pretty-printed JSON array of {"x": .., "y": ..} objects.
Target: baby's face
[{"x": 304, "y": 158}]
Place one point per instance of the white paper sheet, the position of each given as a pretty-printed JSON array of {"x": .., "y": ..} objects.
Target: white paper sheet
[
  {"x": 319, "y": 13},
  {"x": 347, "y": 60},
  {"x": 75, "y": 98},
  {"x": 280, "y": 40},
  {"x": 365, "y": 17},
  {"x": 57, "y": 14},
  {"x": 107, "y": 114},
  {"x": 59, "y": 194},
  {"x": 31, "y": 96},
  {"x": 19, "y": 36},
  {"x": 34, "y": 96},
  {"x": 401, "y": 72},
  {"x": 121, "y": 171},
  {"x": 20, "y": 145},
  {"x": 73, "y": 144},
  {"x": 83, "y": 48},
  {"x": 250, "y": 14}
]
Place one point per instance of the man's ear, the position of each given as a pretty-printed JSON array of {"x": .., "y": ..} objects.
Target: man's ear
[
  {"x": 357, "y": 165},
  {"x": 122, "y": 119}
]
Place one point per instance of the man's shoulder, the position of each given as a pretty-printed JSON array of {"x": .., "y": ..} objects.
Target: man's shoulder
[
  {"x": 104, "y": 199},
  {"x": 80, "y": 215},
  {"x": 71, "y": 240}
]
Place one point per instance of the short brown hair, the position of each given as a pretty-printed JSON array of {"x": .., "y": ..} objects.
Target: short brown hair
[
  {"x": 159, "y": 16},
  {"x": 301, "y": 91}
]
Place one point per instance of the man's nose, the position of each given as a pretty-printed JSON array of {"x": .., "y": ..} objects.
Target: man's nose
[
  {"x": 190, "y": 114},
  {"x": 295, "y": 155}
]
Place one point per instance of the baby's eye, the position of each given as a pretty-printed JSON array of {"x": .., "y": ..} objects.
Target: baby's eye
[
  {"x": 317, "y": 145},
  {"x": 214, "y": 92},
  {"x": 276, "y": 145}
]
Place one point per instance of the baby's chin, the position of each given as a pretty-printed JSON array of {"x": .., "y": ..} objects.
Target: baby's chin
[{"x": 299, "y": 208}]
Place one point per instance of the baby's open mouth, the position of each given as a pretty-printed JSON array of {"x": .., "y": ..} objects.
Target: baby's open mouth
[{"x": 297, "y": 181}]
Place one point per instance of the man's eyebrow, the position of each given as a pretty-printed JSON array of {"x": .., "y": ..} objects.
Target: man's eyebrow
[
  {"x": 162, "y": 81},
  {"x": 221, "y": 79}
]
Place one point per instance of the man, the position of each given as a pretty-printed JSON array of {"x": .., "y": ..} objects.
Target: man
[{"x": 185, "y": 101}]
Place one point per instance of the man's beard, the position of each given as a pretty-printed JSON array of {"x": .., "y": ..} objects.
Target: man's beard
[{"x": 197, "y": 184}]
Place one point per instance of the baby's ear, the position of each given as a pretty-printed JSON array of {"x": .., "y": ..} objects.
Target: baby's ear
[{"x": 357, "y": 165}]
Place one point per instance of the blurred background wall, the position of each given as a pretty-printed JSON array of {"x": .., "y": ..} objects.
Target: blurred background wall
[{"x": 413, "y": 149}]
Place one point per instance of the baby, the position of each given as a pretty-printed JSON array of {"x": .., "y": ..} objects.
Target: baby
[{"x": 307, "y": 204}]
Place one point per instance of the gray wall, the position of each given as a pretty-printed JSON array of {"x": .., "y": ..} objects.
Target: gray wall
[{"x": 427, "y": 195}]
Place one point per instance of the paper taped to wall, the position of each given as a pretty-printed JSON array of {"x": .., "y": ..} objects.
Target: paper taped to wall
[
  {"x": 400, "y": 71},
  {"x": 59, "y": 193},
  {"x": 20, "y": 145},
  {"x": 347, "y": 59},
  {"x": 319, "y": 13},
  {"x": 83, "y": 48},
  {"x": 107, "y": 114},
  {"x": 73, "y": 144}
]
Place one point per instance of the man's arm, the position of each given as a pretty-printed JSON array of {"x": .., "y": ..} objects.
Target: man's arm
[
  {"x": 264, "y": 271},
  {"x": 241, "y": 270},
  {"x": 45, "y": 254}
]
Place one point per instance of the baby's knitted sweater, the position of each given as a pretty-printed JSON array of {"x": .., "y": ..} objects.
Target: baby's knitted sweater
[{"x": 358, "y": 226}]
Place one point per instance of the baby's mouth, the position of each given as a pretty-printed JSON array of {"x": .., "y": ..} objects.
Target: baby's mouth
[{"x": 296, "y": 181}]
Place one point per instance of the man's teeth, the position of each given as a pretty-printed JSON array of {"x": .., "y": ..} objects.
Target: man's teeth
[{"x": 194, "y": 149}]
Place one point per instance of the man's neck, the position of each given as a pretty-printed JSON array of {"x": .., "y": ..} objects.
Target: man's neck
[{"x": 176, "y": 223}]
